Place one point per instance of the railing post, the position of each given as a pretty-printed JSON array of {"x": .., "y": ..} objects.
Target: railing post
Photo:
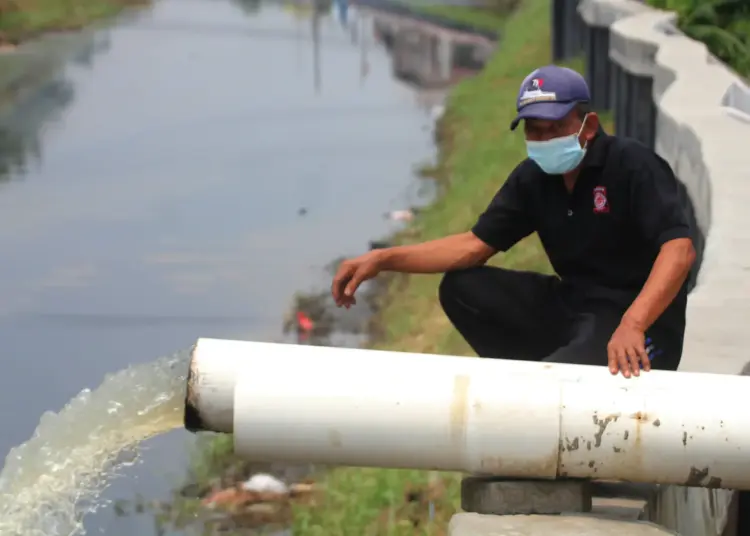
[
  {"x": 643, "y": 110},
  {"x": 600, "y": 72},
  {"x": 557, "y": 26},
  {"x": 598, "y": 67},
  {"x": 567, "y": 30}
]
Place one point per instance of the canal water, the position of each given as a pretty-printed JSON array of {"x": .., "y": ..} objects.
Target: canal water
[{"x": 189, "y": 171}]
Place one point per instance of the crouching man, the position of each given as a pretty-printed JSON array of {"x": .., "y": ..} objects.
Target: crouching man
[{"x": 611, "y": 220}]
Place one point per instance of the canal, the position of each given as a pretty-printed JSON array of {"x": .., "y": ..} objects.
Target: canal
[{"x": 183, "y": 178}]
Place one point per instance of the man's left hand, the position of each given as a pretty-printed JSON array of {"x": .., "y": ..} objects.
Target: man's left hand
[{"x": 627, "y": 350}]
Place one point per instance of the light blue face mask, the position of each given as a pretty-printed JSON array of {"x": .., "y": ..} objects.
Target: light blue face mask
[{"x": 558, "y": 155}]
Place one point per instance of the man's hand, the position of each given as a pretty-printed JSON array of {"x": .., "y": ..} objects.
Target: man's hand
[
  {"x": 627, "y": 350},
  {"x": 351, "y": 274}
]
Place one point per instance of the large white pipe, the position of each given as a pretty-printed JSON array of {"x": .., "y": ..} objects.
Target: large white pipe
[{"x": 339, "y": 406}]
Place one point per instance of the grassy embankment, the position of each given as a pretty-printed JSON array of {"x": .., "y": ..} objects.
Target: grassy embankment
[
  {"x": 477, "y": 151},
  {"x": 487, "y": 17},
  {"x": 23, "y": 19}
]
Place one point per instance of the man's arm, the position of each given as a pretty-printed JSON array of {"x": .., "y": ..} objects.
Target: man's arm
[
  {"x": 662, "y": 219},
  {"x": 505, "y": 222},
  {"x": 453, "y": 252},
  {"x": 670, "y": 270},
  {"x": 444, "y": 254},
  {"x": 660, "y": 215},
  {"x": 500, "y": 226}
]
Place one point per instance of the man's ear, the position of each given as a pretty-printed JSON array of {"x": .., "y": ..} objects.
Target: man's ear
[{"x": 591, "y": 127}]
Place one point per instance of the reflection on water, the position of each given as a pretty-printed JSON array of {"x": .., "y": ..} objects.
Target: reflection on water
[
  {"x": 20, "y": 144},
  {"x": 34, "y": 93},
  {"x": 248, "y": 7},
  {"x": 43, "y": 92}
]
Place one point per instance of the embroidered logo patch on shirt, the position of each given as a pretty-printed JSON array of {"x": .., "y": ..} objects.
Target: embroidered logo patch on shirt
[{"x": 601, "y": 204}]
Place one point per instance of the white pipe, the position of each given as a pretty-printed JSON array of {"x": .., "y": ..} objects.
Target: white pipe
[
  {"x": 508, "y": 418},
  {"x": 216, "y": 364}
]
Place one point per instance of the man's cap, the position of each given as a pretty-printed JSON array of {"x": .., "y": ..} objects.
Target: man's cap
[{"x": 550, "y": 92}]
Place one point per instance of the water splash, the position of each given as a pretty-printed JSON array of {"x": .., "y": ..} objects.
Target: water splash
[{"x": 53, "y": 480}]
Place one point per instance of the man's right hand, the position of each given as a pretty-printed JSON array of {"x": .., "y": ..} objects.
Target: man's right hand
[{"x": 353, "y": 272}]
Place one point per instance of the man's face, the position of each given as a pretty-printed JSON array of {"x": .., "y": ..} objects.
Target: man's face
[{"x": 544, "y": 130}]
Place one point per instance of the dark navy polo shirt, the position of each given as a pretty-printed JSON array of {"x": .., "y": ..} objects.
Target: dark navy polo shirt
[{"x": 604, "y": 236}]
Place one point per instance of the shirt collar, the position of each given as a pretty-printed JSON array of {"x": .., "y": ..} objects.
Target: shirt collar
[{"x": 597, "y": 150}]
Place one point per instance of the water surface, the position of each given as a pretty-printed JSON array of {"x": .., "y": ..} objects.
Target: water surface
[{"x": 152, "y": 195}]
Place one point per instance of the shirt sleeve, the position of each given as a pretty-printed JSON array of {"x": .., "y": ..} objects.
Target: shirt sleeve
[
  {"x": 506, "y": 220},
  {"x": 660, "y": 201}
]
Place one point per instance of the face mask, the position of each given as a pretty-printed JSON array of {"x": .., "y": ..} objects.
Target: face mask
[{"x": 558, "y": 155}]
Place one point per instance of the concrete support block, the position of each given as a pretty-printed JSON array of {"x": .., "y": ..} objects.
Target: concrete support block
[
  {"x": 487, "y": 495},
  {"x": 564, "y": 525}
]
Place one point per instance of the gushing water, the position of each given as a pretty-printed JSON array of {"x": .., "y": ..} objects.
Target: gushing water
[{"x": 52, "y": 481}]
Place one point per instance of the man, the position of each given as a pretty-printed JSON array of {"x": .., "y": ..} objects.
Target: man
[{"x": 610, "y": 219}]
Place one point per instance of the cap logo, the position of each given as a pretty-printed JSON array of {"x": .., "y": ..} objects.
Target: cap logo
[{"x": 536, "y": 94}]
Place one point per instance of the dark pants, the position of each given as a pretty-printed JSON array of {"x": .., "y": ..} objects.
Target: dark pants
[{"x": 532, "y": 317}]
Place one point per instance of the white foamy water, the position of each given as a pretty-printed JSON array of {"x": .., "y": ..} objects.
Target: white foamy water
[{"x": 53, "y": 480}]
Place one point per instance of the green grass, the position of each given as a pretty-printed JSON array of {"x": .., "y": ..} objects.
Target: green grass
[
  {"x": 482, "y": 19},
  {"x": 374, "y": 502},
  {"x": 23, "y": 19}
]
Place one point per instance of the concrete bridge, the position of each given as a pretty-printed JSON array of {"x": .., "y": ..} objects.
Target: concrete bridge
[{"x": 427, "y": 50}]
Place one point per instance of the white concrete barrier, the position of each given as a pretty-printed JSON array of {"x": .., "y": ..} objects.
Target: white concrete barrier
[{"x": 702, "y": 130}]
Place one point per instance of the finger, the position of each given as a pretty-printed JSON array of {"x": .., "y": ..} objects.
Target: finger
[
  {"x": 354, "y": 283},
  {"x": 622, "y": 360},
  {"x": 338, "y": 284},
  {"x": 643, "y": 358},
  {"x": 336, "y": 287},
  {"x": 634, "y": 361},
  {"x": 614, "y": 367}
]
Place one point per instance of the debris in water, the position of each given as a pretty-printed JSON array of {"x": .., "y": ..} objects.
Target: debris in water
[
  {"x": 437, "y": 112},
  {"x": 304, "y": 323},
  {"x": 379, "y": 244},
  {"x": 401, "y": 215},
  {"x": 260, "y": 488},
  {"x": 263, "y": 482},
  {"x": 310, "y": 318}
]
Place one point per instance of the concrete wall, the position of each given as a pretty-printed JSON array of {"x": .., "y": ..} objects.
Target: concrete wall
[{"x": 667, "y": 91}]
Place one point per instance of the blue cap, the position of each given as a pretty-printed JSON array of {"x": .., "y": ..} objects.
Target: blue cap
[{"x": 550, "y": 92}]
